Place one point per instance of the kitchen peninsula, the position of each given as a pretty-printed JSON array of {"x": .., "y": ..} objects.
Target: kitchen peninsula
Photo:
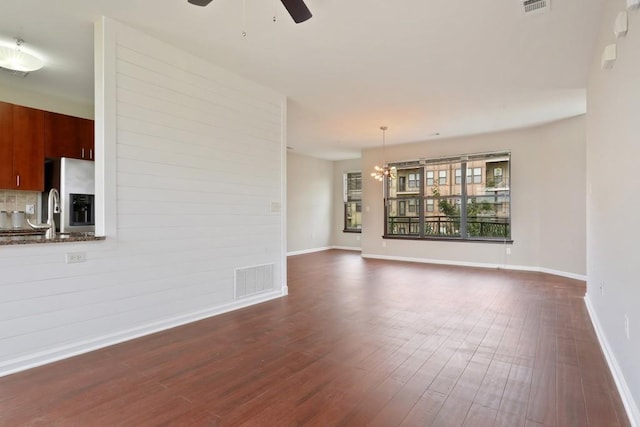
[{"x": 26, "y": 236}]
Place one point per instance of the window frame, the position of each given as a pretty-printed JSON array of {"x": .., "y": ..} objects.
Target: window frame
[
  {"x": 482, "y": 224},
  {"x": 351, "y": 196},
  {"x": 430, "y": 205},
  {"x": 430, "y": 178},
  {"x": 478, "y": 175},
  {"x": 442, "y": 177},
  {"x": 413, "y": 206},
  {"x": 473, "y": 177},
  {"x": 414, "y": 183},
  {"x": 402, "y": 184},
  {"x": 402, "y": 207}
]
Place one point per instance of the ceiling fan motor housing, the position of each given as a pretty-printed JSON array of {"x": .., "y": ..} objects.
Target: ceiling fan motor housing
[{"x": 296, "y": 8}]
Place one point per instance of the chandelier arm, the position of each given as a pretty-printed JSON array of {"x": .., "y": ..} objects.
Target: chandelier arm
[{"x": 384, "y": 171}]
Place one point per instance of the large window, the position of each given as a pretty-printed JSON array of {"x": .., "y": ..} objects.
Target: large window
[
  {"x": 473, "y": 205},
  {"x": 353, "y": 202}
]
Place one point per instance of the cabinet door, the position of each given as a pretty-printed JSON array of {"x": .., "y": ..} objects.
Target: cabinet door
[
  {"x": 7, "y": 180},
  {"x": 61, "y": 136},
  {"x": 86, "y": 137},
  {"x": 28, "y": 148}
]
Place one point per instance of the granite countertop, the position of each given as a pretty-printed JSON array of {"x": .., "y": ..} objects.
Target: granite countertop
[{"x": 29, "y": 236}]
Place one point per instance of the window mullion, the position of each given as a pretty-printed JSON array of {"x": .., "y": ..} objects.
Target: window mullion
[
  {"x": 421, "y": 201},
  {"x": 463, "y": 201}
]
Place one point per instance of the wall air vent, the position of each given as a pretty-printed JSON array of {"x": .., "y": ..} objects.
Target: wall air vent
[
  {"x": 253, "y": 280},
  {"x": 14, "y": 72},
  {"x": 531, "y": 6}
]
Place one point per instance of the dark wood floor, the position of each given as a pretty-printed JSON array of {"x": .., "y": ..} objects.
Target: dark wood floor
[{"x": 357, "y": 342}]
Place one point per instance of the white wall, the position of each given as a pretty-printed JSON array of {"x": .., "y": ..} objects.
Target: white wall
[
  {"x": 547, "y": 185},
  {"x": 309, "y": 203},
  {"x": 613, "y": 150},
  {"x": 43, "y": 101},
  {"x": 339, "y": 238},
  {"x": 192, "y": 158}
]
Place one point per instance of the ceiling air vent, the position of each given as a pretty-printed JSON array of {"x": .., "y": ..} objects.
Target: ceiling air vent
[{"x": 531, "y": 6}]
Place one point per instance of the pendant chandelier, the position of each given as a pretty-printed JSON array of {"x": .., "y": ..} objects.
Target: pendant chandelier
[{"x": 380, "y": 173}]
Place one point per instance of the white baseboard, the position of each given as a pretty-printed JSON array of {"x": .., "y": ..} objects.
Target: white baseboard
[
  {"x": 563, "y": 274},
  {"x": 347, "y": 248},
  {"x": 55, "y": 354},
  {"x": 308, "y": 251},
  {"x": 325, "y": 248},
  {"x": 627, "y": 398},
  {"x": 480, "y": 265},
  {"x": 560, "y": 273}
]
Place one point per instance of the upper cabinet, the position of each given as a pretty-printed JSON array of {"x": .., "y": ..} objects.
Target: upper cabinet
[
  {"x": 6, "y": 146},
  {"x": 67, "y": 136},
  {"x": 28, "y": 135},
  {"x": 21, "y": 148},
  {"x": 86, "y": 135}
]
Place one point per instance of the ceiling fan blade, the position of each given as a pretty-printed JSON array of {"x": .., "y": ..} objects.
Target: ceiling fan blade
[
  {"x": 297, "y": 9},
  {"x": 200, "y": 2}
]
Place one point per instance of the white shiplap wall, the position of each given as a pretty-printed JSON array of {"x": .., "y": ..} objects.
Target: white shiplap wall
[{"x": 191, "y": 157}]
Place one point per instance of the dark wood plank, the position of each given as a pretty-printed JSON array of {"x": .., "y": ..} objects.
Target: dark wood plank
[
  {"x": 492, "y": 387},
  {"x": 570, "y": 397},
  {"x": 480, "y": 416},
  {"x": 515, "y": 398},
  {"x": 425, "y": 410}
]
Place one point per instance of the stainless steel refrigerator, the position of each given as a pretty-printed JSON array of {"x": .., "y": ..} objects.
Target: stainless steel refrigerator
[{"x": 75, "y": 181}]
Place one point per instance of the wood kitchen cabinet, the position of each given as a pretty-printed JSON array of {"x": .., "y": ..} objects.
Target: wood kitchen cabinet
[
  {"x": 6, "y": 146},
  {"x": 67, "y": 136},
  {"x": 21, "y": 148},
  {"x": 86, "y": 134}
]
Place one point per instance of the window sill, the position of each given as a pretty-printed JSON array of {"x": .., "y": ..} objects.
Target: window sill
[
  {"x": 352, "y": 231},
  {"x": 450, "y": 239}
]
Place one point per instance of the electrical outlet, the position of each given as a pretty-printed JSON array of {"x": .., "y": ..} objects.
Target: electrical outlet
[
  {"x": 384, "y": 244},
  {"x": 508, "y": 250},
  {"x": 626, "y": 326},
  {"x": 30, "y": 209},
  {"x": 75, "y": 257},
  {"x": 601, "y": 288}
]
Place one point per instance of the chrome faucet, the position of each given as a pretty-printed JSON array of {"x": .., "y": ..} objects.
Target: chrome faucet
[{"x": 53, "y": 206}]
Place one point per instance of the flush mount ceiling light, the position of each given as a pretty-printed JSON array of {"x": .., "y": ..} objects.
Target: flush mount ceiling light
[
  {"x": 380, "y": 173},
  {"x": 15, "y": 59}
]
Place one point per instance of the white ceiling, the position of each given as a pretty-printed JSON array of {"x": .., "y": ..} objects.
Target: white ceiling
[{"x": 421, "y": 67}]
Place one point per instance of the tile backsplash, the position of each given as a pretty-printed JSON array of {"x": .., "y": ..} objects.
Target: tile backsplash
[{"x": 11, "y": 200}]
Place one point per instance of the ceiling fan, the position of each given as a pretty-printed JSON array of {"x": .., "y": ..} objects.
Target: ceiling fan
[{"x": 296, "y": 8}]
